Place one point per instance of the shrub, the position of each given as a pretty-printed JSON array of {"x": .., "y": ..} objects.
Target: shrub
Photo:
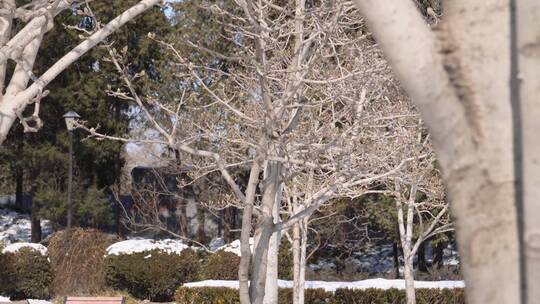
[
  {"x": 396, "y": 296},
  {"x": 7, "y": 276},
  {"x": 152, "y": 275},
  {"x": 31, "y": 275},
  {"x": 77, "y": 258},
  {"x": 207, "y": 295},
  {"x": 221, "y": 295},
  {"x": 222, "y": 265},
  {"x": 311, "y": 296},
  {"x": 285, "y": 260},
  {"x": 447, "y": 296}
]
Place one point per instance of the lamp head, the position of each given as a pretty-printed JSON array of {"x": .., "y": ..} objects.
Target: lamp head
[{"x": 70, "y": 118}]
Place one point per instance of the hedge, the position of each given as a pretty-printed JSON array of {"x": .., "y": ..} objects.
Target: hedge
[
  {"x": 29, "y": 275},
  {"x": 221, "y": 265},
  {"x": 7, "y": 275},
  {"x": 222, "y": 295},
  {"x": 152, "y": 275}
]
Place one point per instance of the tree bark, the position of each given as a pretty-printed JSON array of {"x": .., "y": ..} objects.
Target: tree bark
[
  {"x": 243, "y": 269},
  {"x": 296, "y": 263},
  {"x": 408, "y": 274},
  {"x": 271, "y": 288},
  {"x": 527, "y": 81},
  {"x": 303, "y": 260},
  {"x": 462, "y": 92},
  {"x": 35, "y": 227},
  {"x": 260, "y": 256}
]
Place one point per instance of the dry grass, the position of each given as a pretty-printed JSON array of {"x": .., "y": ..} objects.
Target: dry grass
[{"x": 77, "y": 257}]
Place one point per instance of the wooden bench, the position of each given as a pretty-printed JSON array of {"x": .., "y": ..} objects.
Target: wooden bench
[{"x": 94, "y": 300}]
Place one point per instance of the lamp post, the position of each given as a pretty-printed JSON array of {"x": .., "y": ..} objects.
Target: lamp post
[{"x": 70, "y": 118}]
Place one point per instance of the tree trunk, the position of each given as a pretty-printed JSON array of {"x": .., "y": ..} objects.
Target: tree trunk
[
  {"x": 271, "y": 289},
  {"x": 201, "y": 219},
  {"x": 422, "y": 263},
  {"x": 260, "y": 256},
  {"x": 303, "y": 257},
  {"x": 438, "y": 254},
  {"x": 409, "y": 278},
  {"x": 243, "y": 269},
  {"x": 35, "y": 227},
  {"x": 299, "y": 247},
  {"x": 296, "y": 263},
  {"x": 395, "y": 253},
  {"x": 460, "y": 84},
  {"x": 19, "y": 187},
  {"x": 527, "y": 81}
]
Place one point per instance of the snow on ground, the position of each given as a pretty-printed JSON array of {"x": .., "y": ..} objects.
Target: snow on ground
[
  {"x": 140, "y": 245},
  {"x": 332, "y": 286},
  {"x": 16, "y": 246},
  {"x": 30, "y": 301},
  {"x": 234, "y": 247},
  {"x": 34, "y": 301},
  {"x": 216, "y": 243},
  {"x": 16, "y": 227}
]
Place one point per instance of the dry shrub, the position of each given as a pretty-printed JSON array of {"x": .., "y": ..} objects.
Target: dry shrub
[{"x": 77, "y": 257}]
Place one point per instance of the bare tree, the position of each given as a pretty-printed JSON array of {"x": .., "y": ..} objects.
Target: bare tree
[
  {"x": 422, "y": 210},
  {"x": 22, "y": 46},
  {"x": 284, "y": 109}
]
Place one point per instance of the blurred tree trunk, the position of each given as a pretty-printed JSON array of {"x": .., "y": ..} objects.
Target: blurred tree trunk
[
  {"x": 475, "y": 81},
  {"x": 395, "y": 254},
  {"x": 422, "y": 263},
  {"x": 438, "y": 253}
]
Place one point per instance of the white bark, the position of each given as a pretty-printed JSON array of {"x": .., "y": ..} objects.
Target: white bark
[
  {"x": 243, "y": 270},
  {"x": 271, "y": 288},
  {"x": 303, "y": 258},
  {"x": 528, "y": 44},
  {"x": 405, "y": 225},
  {"x": 463, "y": 94},
  {"x": 408, "y": 274},
  {"x": 296, "y": 263},
  {"x": 272, "y": 186}
]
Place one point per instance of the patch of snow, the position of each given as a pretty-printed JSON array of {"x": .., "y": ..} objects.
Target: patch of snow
[
  {"x": 322, "y": 264},
  {"x": 450, "y": 256},
  {"x": 332, "y": 286},
  {"x": 216, "y": 243},
  {"x": 234, "y": 247},
  {"x": 141, "y": 245},
  {"x": 4, "y": 299},
  {"x": 17, "y": 227},
  {"x": 34, "y": 301},
  {"x": 17, "y": 246}
]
